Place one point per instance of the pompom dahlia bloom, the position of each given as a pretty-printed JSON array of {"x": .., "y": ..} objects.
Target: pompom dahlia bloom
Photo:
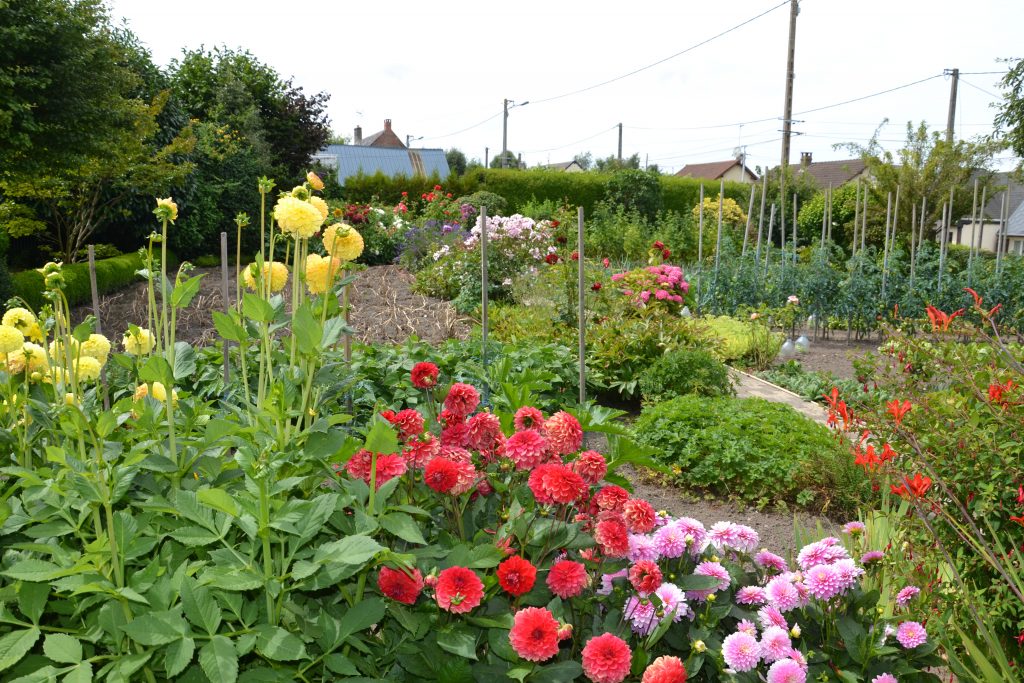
[
  {"x": 400, "y": 586},
  {"x": 564, "y": 433},
  {"x": 567, "y": 579},
  {"x": 516, "y": 575},
  {"x": 534, "y": 634},
  {"x": 458, "y": 590},
  {"x": 665, "y": 669},
  {"x": 606, "y": 659}
]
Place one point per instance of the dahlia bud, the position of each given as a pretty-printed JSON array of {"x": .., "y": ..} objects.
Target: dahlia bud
[
  {"x": 699, "y": 646},
  {"x": 314, "y": 181},
  {"x": 795, "y": 631},
  {"x": 166, "y": 209},
  {"x": 565, "y": 632}
]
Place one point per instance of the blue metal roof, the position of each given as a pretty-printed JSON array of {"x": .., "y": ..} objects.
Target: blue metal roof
[{"x": 349, "y": 160}]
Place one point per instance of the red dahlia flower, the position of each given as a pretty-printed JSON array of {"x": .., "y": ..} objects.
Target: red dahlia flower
[
  {"x": 441, "y": 475},
  {"x": 458, "y": 590},
  {"x": 639, "y": 515},
  {"x": 400, "y": 586},
  {"x": 529, "y": 417},
  {"x": 606, "y": 659},
  {"x": 665, "y": 669},
  {"x": 388, "y": 466},
  {"x": 564, "y": 433},
  {"x": 534, "y": 634},
  {"x": 591, "y": 466},
  {"x": 424, "y": 375},
  {"x": 462, "y": 399},
  {"x": 516, "y": 576},
  {"x": 645, "y": 576},
  {"x": 567, "y": 579}
]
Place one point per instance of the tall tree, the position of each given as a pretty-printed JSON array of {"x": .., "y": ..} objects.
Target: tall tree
[
  {"x": 456, "y": 161},
  {"x": 1010, "y": 119}
]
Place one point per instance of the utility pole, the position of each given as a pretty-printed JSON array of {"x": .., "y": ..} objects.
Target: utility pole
[
  {"x": 620, "y": 144},
  {"x": 487, "y": 157},
  {"x": 504, "y": 138},
  {"x": 951, "y": 118},
  {"x": 787, "y": 115}
]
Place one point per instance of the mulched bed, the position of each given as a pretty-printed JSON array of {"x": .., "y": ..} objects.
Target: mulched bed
[
  {"x": 384, "y": 309},
  {"x": 835, "y": 356}
]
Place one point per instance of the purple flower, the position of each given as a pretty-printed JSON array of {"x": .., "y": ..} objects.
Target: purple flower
[
  {"x": 871, "y": 556},
  {"x": 741, "y": 651},
  {"x": 906, "y": 595},
  {"x": 771, "y": 616},
  {"x": 853, "y": 528},
  {"x": 911, "y": 634}
]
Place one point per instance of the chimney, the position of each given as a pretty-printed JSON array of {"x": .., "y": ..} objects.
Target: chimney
[
  {"x": 387, "y": 124},
  {"x": 357, "y": 138},
  {"x": 805, "y": 159}
]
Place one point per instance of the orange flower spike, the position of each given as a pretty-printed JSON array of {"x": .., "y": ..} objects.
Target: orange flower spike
[{"x": 898, "y": 410}]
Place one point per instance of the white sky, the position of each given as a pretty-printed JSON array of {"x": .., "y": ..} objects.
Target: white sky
[{"x": 436, "y": 68}]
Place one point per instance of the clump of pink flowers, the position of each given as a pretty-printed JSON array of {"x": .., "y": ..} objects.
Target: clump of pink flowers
[{"x": 661, "y": 286}]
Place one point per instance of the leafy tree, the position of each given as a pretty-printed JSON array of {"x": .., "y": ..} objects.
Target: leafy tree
[
  {"x": 927, "y": 167},
  {"x": 1010, "y": 119},
  {"x": 585, "y": 160},
  {"x": 612, "y": 163},
  {"x": 513, "y": 160},
  {"x": 636, "y": 191},
  {"x": 456, "y": 161}
]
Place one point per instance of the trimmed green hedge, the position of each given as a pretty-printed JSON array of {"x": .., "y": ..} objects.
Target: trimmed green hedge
[
  {"x": 519, "y": 187},
  {"x": 111, "y": 274}
]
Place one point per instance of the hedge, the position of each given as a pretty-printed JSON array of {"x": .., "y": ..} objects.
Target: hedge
[
  {"x": 111, "y": 274},
  {"x": 519, "y": 187}
]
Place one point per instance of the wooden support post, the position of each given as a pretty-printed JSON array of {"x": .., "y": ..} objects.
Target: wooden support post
[
  {"x": 484, "y": 286},
  {"x": 746, "y": 230},
  {"x": 582, "y": 320},
  {"x": 227, "y": 300}
]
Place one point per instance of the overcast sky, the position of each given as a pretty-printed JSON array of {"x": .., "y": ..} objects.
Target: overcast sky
[{"x": 440, "y": 69}]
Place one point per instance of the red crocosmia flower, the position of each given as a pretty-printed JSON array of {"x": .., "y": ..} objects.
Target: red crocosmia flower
[
  {"x": 613, "y": 537},
  {"x": 1019, "y": 520},
  {"x": 887, "y": 453},
  {"x": 551, "y": 259},
  {"x": 458, "y": 590},
  {"x": 606, "y": 262},
  {"x": 996, "y": 391},
  {"x": 665, "y": 253},
  {"x": 606, "y": 659},
  {"x": 555, "y": 224},
  {"x": 400, "y": 586},
  {"x": 898, "y": 410},
  {"x": 639, "y": 516},
  {"x": 915, "y": 487},
  {"x": 1020, "y": 495},
  {"x": 665, "y": 669},
  {"x": 590, "y": 465},
  {"x": 534, "y": 634},
  {"x": 424, "y": 375},
  {"x": 645, "y": 576},
  {"x": 865, "y": 456},
  {"x": 567, "y": 579},
  {"x": 441, "y": 475},
  {"x": 516, "y": 576},
  {"x": 596, "y": 287},
  {"x": 837, "y": 410},
  {"x": 941, "y": 320}
]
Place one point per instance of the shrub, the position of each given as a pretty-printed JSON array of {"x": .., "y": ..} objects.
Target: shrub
[
  {"x": 111, "y": 274},
  {"x": 635, "y": 190},
  {"x": 495, "y": 203},
  {"x": 745, "y": 343},
  {"x": 753, "y": 450},
  {"x": 685, "y": 371},
  {"x": 6, "y": 286}
]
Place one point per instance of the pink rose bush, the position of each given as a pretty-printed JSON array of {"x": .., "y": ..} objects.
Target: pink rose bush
[
  {"x": 654, "y": 288},
  {"x": 506, "y": 546}
]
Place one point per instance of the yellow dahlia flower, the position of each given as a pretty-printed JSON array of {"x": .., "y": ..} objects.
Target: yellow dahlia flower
[
  {"x": 314, "y": 181},
  {"x": 278, "y": 274},
  {"x": 69, "y": 399},
  {"x": 166, "y": 209},
  {"x": 343, "y": 242},
  {"x": 320, "y": 273},
  {"x": 140, "y": 343},
  {"x": 57, "y": 348},
  {"x": 31, "y": 357},
  {"x": 11, "y": 339},
  {"x": 20, "y": 318},
  {"x": 321, "y": 206},
  {"x": 87, "y": 368},
  {"x": 297, "y": 218},
  {"x": 158, "y": 392},
  {"x": 35, "y": 333},
  {"x": 96, "y": 346}
]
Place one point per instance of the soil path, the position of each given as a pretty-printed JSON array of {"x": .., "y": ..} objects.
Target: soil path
[{"x": 384, "y": 309}]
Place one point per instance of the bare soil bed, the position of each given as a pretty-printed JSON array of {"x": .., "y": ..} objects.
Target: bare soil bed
[
  {"x": 384, "y": 309},
  {"x": 835, "y": 356}
]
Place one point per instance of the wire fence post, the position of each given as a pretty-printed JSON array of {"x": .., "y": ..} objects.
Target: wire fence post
[
  {"x": 760, "y": 219},
  {"x": 718, "y": 237},
  {"x": 227, "y": 299},
  {"x": 483, "y": 301},
  {"x": 581, "y": 314},
  {"x": 750, "y": 209}
]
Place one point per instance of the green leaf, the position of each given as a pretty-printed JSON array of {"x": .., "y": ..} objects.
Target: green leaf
[
  {"x": 403, "y": 526},
  {"x": 178, "y": 655},
  {"x": 279, "y": 645},
  {"x": 382, "y": 438},
  {"x": 351, "y": 550},
  {"x": 340, "y": 664},
  {"x": 307, "y": 330},
  {"x": 156, "y": 628},
  {"x": 218, "y": 499},
  {"x": 257, "y": 308},
  {"x": 127, "y": 665},
  {"x": 232, "y": 578},
  {"x": 84, "y": 329},
  {"x": 185, "y": 291},
  {"x": 696, "y": 582},
  {"x": 32, "y": 599},
  {"x": 362, "y": 616},
  {"x": 15, "y": 645},
  {"x": 80, "y": 674},
  {"x": 200, "y": 607},
  {"x": 219, "y": 660},
  {"x": 459, "y": 641},
  {"x": 34, "y": 570},
  {"x": 323, "y": 445},
  {"x": 184, "y": 360},
  {"x": 62, "y": 648},
  {"x": 557, "y": 673},
  {"x": 193, "y": 536},
  {"x": 157, "y": 369},
  {"x": 227, "y": 327}
]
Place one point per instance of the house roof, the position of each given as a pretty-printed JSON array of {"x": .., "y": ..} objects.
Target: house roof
[
  {"x": 562, "y": 165},
  {"x": 712, "y": 170},
  {"x": 834, "y": 173},
  {"x": 349, "y": 160},
  {"x": 1015, "y": 224},
  {"x": 994, "y": 204}
]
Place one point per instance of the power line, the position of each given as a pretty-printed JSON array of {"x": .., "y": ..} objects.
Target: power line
[
  {"x": 720, "y": 149},
  {"x": 990, "y": 94},
  {"x": 662, "y": 61},
  {"x": 475, "y": 125},
  {"x": 552, "y": 149}
]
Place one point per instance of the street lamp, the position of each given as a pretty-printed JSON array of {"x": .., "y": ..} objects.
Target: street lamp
[
  {"x": 409, "y": 138},
  {"x": 504, "y": 131}
]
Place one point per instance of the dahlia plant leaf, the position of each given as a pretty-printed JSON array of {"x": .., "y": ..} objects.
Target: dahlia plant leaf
[
  {"x": 403, "y": 526},
  {"x": 219, "y": 660},
  {"x": 307, "y": 331},
  {"x": 273, "y": 642},
  {"x": 458, "y": 640},
  {"x": 382, "y": 438},
  {"x": 80, "y": 674},
  {"x": 184, "y": 360},
  {"x": 62, "y": 648},
  {"x": 351, "y": 550},
  {"x": 227, "y": 327},
  {"x": 16, "y": 645},
  {"x": 185, "y": 291},
  {"x": 557, "y": 672},
  {"x": 155, "y": 628},
  {"x": 178, "y": 655},
  {"x": 32, "y": 599},
  {"x": 361, "y": 616},
  {"x": 199, "y": 605},
  {"x": 257, "y": 308},
  {"x": 218, "y": 499}
]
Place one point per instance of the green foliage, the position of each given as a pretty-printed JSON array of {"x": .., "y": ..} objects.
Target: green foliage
[
  {"x": 635, "y": 190},
  {"x": 751, "y": 449},
  {"x": 6, "y": 287},
  {"x": 1010, "y": 119},
  {"x": 495, "y": 203},
  {"x": 111, "y": 274},
  {"x": 685, "y": 371},
  {"x": 456, "y": 161},
  {"x": 387, "y": 190},
  {"x": 18, "y": 220},
  {"x": 746, "y": 343},
  {"x": 814, "y": 386}
]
